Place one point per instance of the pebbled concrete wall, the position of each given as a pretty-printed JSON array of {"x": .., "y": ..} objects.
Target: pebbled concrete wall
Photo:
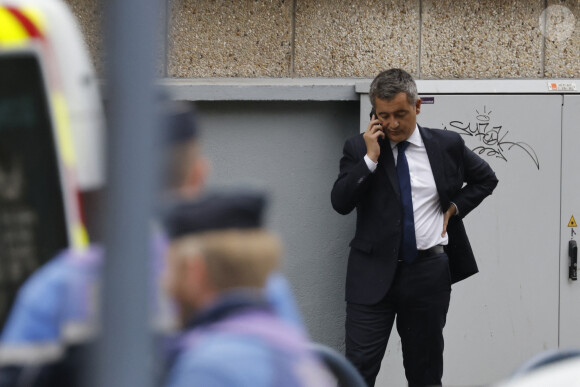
[{"x": 433, "y": 39}]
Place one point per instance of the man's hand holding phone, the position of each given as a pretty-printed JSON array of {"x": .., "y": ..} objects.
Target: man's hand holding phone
[{"x": 371, "y": 137}]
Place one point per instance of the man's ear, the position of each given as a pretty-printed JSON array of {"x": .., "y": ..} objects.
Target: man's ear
[
  {"x": 198, "y": 278},
  {"x": 418, "y": 106},
  {"x": 195, "y": 272}
]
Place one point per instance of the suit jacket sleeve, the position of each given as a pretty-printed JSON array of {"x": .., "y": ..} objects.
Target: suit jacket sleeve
[
  {"x": 352, "y": 179},
  {"x": 479, "y": 179}
]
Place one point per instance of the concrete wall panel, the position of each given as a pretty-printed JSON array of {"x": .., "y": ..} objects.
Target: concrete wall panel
[
  {"x": 224, "y": 38},
  {"x": 481, "y": 39},
  {"x": 432, "y": 39},
  {"x": 562, "y": 32},
  {"x": 355, "y": 38}
]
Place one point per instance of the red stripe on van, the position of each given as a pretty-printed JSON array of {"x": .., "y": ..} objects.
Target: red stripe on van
[{"x": 28, "y": 25}]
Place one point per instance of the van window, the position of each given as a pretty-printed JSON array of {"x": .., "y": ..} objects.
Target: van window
[{"x": 32, "y": 218}]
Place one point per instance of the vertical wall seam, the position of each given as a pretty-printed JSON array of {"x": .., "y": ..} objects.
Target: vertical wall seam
[
  {"x": 559, "y": 282},
  {"x": 543, "y": 54},
  {"x": 293, "y": 41},
  {"x": 166, "y": 35},
  {"x": 420, "y": 38}
]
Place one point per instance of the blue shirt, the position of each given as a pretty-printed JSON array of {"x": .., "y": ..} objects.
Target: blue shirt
[{"x": 240, "y": 341}]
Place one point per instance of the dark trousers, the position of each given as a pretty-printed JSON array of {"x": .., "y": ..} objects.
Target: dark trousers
[{"x": 419, "y": 298}]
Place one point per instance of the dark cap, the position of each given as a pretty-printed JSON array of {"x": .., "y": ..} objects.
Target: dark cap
[
  {"x": 180, "y": 123},
  {"x": 240, "y": 209}
]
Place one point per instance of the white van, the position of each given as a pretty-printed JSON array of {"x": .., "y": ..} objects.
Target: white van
[{"x": 51, "y": 137}]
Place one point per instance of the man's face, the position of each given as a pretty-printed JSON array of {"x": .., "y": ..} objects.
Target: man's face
[
  {"x": 397, "y": 116},
  {"x": 175, "y": 280},
  {"x": 196, "y": 168}
]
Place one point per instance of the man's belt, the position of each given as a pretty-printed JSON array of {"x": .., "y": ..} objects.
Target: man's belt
[{"x": 435, "y": 250}]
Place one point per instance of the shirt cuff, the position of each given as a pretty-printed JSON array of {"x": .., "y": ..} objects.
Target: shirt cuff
[
  {"x": 456, "y": 209},
  {"x": 371, "y": 164}
]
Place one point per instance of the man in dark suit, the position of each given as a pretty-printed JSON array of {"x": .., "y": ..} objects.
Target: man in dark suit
[{"x": 411, "y": 186}]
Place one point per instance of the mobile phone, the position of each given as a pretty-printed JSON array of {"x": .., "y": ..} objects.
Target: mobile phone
[{"x": 374, "y": 113}]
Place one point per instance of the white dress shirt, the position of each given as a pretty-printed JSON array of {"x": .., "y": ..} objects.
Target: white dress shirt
[{"x": 426, "y": 207}]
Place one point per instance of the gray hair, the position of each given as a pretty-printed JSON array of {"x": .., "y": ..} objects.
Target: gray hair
[{"x": 391, "y": 82}]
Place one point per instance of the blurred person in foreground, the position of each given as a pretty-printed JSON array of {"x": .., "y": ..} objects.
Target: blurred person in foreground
[
  {"x": 216, "y": 270},
  {"x": 54, "y": 317}
]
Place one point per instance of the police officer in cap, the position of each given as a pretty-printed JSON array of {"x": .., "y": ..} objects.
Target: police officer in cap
[{"x": 219, "y": 260}]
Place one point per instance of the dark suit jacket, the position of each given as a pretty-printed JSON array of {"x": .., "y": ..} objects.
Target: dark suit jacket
[{"x": 461, "y": 177}]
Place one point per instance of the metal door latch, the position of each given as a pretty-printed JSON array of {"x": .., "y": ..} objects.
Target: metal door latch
[{"x": 573, "y": 254}]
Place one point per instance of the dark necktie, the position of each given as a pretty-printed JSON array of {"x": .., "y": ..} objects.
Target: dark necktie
[{"x": 409, "y": 244}]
